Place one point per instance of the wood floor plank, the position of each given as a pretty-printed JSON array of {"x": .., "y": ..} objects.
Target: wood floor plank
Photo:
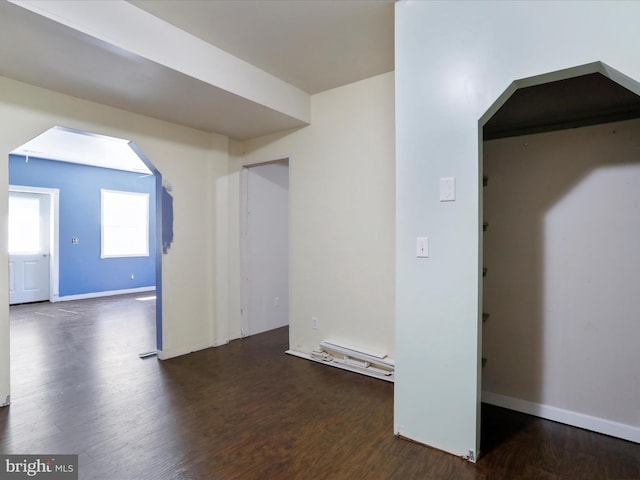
[{"x": 244, "y": 411}]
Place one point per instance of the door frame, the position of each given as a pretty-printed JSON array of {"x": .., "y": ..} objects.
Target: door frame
[
  {"x": 244, "y": 241},
  {"x": 54, "y": 211}
]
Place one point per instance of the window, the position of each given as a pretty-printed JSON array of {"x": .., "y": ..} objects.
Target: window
[
  {"x": 24, "y": 224},
  {"x": 125, "y": 224}
]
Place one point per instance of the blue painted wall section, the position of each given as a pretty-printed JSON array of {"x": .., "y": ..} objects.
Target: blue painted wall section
[{"x": 82, "y": 271}]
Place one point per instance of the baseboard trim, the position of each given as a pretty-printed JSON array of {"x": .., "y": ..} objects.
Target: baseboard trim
[
  {"x": 167, "y": 354},
  {"x": 107, "y": 293},
  {"x": 219, "y": 342},
  {"x": 568, "y": 417},
  {"x": 405, "y": 434}
]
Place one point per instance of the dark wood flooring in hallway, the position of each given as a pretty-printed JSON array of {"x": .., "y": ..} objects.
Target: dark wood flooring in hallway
[{"x": 243, "y": 411}]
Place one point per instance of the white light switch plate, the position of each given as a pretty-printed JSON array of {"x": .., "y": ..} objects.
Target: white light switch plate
[
  {"x": 422, "y": 247},
  {"x": 448, "y": 189}
]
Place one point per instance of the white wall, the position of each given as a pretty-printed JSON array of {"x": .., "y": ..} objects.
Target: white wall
[
  {"x": 453, "y": 60},
  {"x": 342, "y": 216},
  {"x": 192, "y": 162},
  {"x": 194, "y": 168},
  {"x": 267, "y": 247},
  {"x": 564, "y": 270}
]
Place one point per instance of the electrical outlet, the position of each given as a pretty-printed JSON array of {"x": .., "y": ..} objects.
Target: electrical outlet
[
  {"x": 315, "y": 322},
  {"x": 276, "y": 301}
]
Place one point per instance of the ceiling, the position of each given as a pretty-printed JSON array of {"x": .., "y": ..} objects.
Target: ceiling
[
  {"x": 73, "y": 146},
  {"x": 311, "y": 45},
  {"x": 315, "y": 45}
]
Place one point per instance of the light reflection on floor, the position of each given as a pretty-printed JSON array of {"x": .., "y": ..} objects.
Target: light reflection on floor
[{"x": 67, "y": 355}]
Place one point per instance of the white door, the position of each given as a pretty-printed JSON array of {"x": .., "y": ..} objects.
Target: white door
[{"x": 29, "y": 246}]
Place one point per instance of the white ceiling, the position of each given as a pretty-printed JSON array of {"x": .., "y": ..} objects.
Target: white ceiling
[
  {"x": 314, "y": 45},
  {"x": 72, "y": 146}
]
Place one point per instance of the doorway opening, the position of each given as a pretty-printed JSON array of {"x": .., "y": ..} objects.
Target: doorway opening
[
  {"x": 265, "y": 247},
  {"x": 560, "y": 163},
  {"x": 75, "y": 170}
]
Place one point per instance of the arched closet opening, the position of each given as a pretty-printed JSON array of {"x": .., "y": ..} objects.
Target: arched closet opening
[{"x": 560, "y": 161}]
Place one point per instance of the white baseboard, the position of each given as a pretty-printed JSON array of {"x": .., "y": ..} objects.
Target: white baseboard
[
  {"x": 107, "y": 293},
  {"x": 219, "y": 342},
  {"x": 568, "y": 417},
  {"x": 167, "y": 354},
  {"x": 401, "y": 432}
]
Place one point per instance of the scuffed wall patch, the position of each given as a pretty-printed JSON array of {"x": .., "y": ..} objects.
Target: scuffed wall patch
[{"x": 167, "y": 219}]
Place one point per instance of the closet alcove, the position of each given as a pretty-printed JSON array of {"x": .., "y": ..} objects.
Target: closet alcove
[{"x": 560, "y": 159}]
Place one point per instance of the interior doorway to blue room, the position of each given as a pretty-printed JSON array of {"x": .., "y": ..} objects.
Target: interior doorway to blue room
[{"x": 84, "y": 221}]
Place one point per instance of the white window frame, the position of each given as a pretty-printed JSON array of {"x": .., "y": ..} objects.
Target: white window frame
[{"x": 105, "y": 194}]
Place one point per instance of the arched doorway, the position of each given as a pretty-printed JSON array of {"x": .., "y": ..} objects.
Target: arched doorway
[
  {"x": 561, "y": 165},
  {"x": 72, "y": 150}
]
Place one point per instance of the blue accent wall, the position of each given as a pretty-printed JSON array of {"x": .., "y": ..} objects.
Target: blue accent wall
[{"x": 82, "y": 271}]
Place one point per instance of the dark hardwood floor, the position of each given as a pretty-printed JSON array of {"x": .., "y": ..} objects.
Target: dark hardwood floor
[{"x": 243, "y": 411}]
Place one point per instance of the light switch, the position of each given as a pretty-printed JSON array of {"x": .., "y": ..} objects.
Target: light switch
[
  {"x": 448, "y": 189},
  {"x": 422, "y": 247}
]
